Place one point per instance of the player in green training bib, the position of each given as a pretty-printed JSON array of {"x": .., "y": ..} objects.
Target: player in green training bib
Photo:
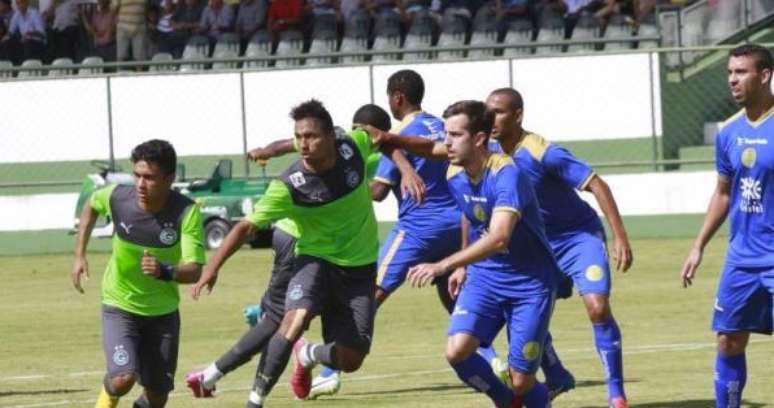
[{"x": 157, "y": 244}]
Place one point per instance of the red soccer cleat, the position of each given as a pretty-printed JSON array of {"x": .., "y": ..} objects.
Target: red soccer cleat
[
  {"x": 518, "y": 402},
  {"x": 619, "y": 402},
  {"x": 195, "y": 381},
  {"x": 301, "y": 379}
]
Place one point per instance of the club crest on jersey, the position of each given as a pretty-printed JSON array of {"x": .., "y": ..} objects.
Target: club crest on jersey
[
  {"x": 120, "y": 356},
  {"x": 168, "y": 235},
  {"x": 479, "y": 212},
  {"x": 748, "y": 157},
  {"x": 296, "y": 292},
  {"x": 297, "y": 179},
  {"x": 346, "y": 151},
  {"x": 353, "y": 178}
]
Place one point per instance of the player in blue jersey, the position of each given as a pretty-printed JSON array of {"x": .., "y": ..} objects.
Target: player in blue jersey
[
  {"x": 511, "y": 272},
  {"x": 426, "y": 231},
  {"x": 744, "y": 154}
]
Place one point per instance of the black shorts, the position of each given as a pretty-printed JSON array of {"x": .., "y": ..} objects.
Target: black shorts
[
  {"x": 145, "y": 346},
  {"x": 273, "y": 301},
  {"x": 343, "y": 296}
]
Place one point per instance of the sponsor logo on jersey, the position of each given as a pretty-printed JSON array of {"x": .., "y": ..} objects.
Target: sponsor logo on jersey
[
  {"x": 297, "y": 179},
  {"x": 751, "y": 191},
  {"x": 750, "y": 141},
  {"x": 346, "y": 151},
  {"x": 127, "y": 228},
  {"x": 296, "y": 292}
]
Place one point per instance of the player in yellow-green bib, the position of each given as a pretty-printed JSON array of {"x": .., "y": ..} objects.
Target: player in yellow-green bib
[{"x": 158, "y": 243}]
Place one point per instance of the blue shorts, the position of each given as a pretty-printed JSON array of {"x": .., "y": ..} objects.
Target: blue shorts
[
  {"x": 403, "y": 249},
  {"x": 582, "y": 256},
  {"x": 744, "y": 301},
  {"x": 482, "y": 309}
]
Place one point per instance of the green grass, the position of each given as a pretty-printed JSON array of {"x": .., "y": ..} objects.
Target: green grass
[{"x": 52, "y": 354}]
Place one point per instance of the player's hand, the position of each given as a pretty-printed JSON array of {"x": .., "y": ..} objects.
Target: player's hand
[
  {"x": 456, "y": 280},
  {"x": 260, "y": 155},
  {"x": 622, "y": 254},
  {"x": 690, "y": 266},
  {"x": 378, "y": 136},
  {"x": 150, "y": 265},
  {"x": 422, "y": 274},
  {"x": 80, "y": 268},
  {"x": 208, "y": 279},
  {"x": 413, "y": 185}
]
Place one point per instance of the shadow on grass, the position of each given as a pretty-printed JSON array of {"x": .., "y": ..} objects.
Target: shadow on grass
[
  {"x": 431, "y": 388},
  {"x": 40, "y": 392},
  {"x": 696, "y": 403}
]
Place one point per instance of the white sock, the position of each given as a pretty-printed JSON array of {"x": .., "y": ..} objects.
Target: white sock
[
  {"x": 306, "y": 355},
  {"x": 255, "y": 398},
  {"x": 211, "y": 375}
]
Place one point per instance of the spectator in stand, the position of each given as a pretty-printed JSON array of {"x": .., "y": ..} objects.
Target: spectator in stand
[
  {"x": 464, "y": 8},
  {"x": 250, "y": 18},
  {"x": 131, "y": 29},
  {"x": 410, "y": 7},
  {"x": 26, "y": 36},
  {"x": 284, "y": 15},
  {"x": 604, "y": 9},
  {"x": 6, "y": 12},
  {"x": 217, "y": 18},
  {"x": 324, "y": 7},
  {"x": 509, "y": 11},
  {"x": 165, "y": 33},
  {"x": 349, "y": 6},
  {"x": 101, "y": 27},
  {"x": 62, "y": 15},
  {"x": 185, "y": 23},
  {"x": 377, "y": 7}
]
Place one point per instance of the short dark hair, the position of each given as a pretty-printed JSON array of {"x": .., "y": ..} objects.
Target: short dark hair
[
  {"x": 409, "y": 83},
  {"x": 516, "y": 101},
  {"x": 480, "y": 119},
  {"x": 761, "y": 55},
  {"x": 158, "y": 152},
  {"x": 373, "y": 115},
  {"x": 313, "y": 109}
]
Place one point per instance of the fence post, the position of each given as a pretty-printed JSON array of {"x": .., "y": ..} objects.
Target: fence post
[
  {"x": 244, "y": 124},
  {"x": 654, "y": 138},
  {"x": 110, "y": 123}
]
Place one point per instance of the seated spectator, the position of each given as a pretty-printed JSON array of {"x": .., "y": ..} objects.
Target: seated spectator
[
  {"x": 185, "y": 22},
  {"x": 101, "y": 27},
  {"x": 284, "y": 15},
  {"x": 463, "y": 8},
  {"x": 131, "y": 29},
  {"x": 6, "y": 12},
  {"x": 509, "y": 11},
  {"x": 217, "y": 18},
  {"x": 348, "y": 6},
  {"x": 165, "y": 33},
  {"x": 26, "y": 36},
  {"x": 324, "y": 7},
  {"x": 62, "y": 15},
  {"x": 604, "y": 9},
  {"x": 409, "y": 7},
  {"x": 377, "y": 7},
  {"x": 250, "y": 18}
]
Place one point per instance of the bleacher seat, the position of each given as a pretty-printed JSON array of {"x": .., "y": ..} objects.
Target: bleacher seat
[
  {"x": 324, "y": 39},
  {"x": 551, "y": 29},
  {"x": 420, "y": 35},
  {"x": 225, "y": 53},
  {"x": 587, "y": 28},
  {"x": 259, "y": 46},
  {"x": 32, "y": 63},
  {"x": 647, "y": 29},
  {"x": 87, "y": 66},
  {"x": 454, "y": 30},
  {"x": 291, "y": 43},
  {"x": 59, "y": 72},
  {"x": 617, "y": 28},
  {"x": 484, "y": 32},
  {"x": 519, "y": 32},
  {"x": 387, "y": 33},
  {"x": 227, "y": 41},
  {"x": 4, "y": 65},
  {"x": 162, "y": 57},
  {"x": 196, "y": 49},
  {"x": 356, "y": 36}
]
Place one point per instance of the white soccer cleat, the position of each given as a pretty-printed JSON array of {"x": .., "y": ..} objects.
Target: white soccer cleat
[
  {"x": 500, "y": 368},
  {"x": 325, "y": 385}
]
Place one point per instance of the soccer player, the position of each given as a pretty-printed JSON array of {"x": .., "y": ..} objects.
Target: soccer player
[
  {"x": 285, "y": 236},
  {"x": 744, "y": 155},
  {"x": 511, "y": 272},
  {"x": 326, "y": 194},
  {"x": 425, "y": 232},
  {"x": 158, "y": 243}
]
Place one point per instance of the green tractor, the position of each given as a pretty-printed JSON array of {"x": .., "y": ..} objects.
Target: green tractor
[{"x": 224, "y": 200}]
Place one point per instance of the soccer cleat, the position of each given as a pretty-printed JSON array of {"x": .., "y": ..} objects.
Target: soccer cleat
[
  {"x": 252, "y": 314},
  {"x": 500, "y": 368},
  {"x": 301, "y": 379},
  {"x": 195, "y": 381},
  {"x": 556, "y": 388},
  {"x": 619, "y": 402},
  {"x": 325, "y": 385},
  {"x": 517, "y": 402}
]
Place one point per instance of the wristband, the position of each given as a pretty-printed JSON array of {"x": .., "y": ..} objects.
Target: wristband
[{"x": 168, "y": 272}]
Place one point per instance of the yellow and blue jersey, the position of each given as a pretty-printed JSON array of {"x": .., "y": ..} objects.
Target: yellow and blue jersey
[
  {"x": 438, "y": 211},
  {"x": 744, "y": 155},
  {"x": 555, "y": 174},
  {"x": 528, "y": 265}
]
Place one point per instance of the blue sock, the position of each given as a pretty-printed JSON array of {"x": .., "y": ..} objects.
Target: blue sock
[
  {"x": 487, "y": 352},
  {"x": 730, "y": 377},
  {"x": 536, "y": 397},
  {"x": 327, "y": 371},
  {"x": 607, "y": 337},
  {"x": 476, "y": 372},
  {"x": 552, "y": 366}
]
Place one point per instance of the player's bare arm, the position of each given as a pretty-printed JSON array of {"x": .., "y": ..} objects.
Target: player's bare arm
[
  {"x": 273, "y": 149},
  {"x": 410, "y": 182},
  {"x": 237, "y": 237},
  {"x": 416, "y": 145},
  {"x": 716, "y": 215},
  {"x": 80, "y": 264},
  {"x": 622, "y": 251}
]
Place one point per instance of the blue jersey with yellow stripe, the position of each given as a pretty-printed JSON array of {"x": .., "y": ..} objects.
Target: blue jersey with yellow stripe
[
  {"x": 556, "y": 175},
  {"x": 744, "y": 155},
  {"x": 438, "y": 211},
  {"x": 528, "y": 265}
]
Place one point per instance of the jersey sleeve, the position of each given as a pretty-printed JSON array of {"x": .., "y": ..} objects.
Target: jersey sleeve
[
  {"x": 387, "y": 172},
  {"x": 562, "y": 164},
  {"x": 722, "y": 162},
  {"x": 192, "y": 237},
  {"x": 364, "y": 143},
  {"x": 508, "y": 195},
  {"x": 100, "y": 200},
  {"x": 275, "y": 204}
]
